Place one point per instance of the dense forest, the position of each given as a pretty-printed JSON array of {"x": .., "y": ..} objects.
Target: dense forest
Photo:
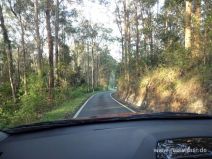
[
  {"x": 166, "y": 54},
  {"x": 50, "y": 54}
]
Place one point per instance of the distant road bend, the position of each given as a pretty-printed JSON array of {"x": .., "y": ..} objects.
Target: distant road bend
[{"x": 101, "y": 104}]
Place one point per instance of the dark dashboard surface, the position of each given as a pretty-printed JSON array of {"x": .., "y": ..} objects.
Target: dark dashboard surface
[{"x": 124, "y": 140}]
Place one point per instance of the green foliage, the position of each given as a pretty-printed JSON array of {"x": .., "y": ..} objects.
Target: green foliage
[
  {"x": 5, "y": 95},
  {"x": 33, "y": 103},
  {"x": 175, "y": 56},
  {"x": 76, "y": 97},
  {"x": 77, "y": 92},
  {"x": 4, "y": 118},
  {"x": 64, "y": 54},
  {"x": 6, "y": 104},
  {"x": 34, "y": 106},
  {"x": 73, "y": 71}
]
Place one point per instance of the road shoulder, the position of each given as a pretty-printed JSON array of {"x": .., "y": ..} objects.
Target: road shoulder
[
  {"x": 123, "y": 103},
  {"x": 83, "y": 105}
]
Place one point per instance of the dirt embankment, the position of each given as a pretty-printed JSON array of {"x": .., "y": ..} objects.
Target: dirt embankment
[{"x": 168, "y": 89}]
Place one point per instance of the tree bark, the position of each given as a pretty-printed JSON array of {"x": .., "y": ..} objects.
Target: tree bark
[
  {"x": 126, "y": 36},
  {"x": 50, "y": 48},
  {"x": 18, "y": 67},
  {"x": 24, "y": 53},
  {"x": 151, "y": 34},
  {"x": 207, "y": 29},
  {"x": 137, "y": 40},
  {"x": 92, "y": 67},
  {"x": 38, "y": 40},
  {"x": 188, "y": 24},
  {"x": 97, "y": 70},
  {"x": 145, "y": 52},
  {"x": 196, "y": 51},
  {"x": 119, "y": 24},
  {"x": 88, "y": 65},
  {"x": 19, "y": 17},
  {"x": 9, "y": 55},
  {"x": 56, "y": 40}
]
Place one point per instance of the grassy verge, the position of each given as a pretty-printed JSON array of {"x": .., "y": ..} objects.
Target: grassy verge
[
  {"x": 68, "y": 108},
  {"x": 35, "y": 108}
]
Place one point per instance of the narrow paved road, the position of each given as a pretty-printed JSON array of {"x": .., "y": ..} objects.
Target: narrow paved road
[{"x": 101, "y": 104}]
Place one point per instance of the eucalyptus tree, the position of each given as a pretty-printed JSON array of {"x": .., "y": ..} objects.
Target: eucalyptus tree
[
  {"x": 8, "y": 47},
  {"x": 38, "y": 38},
  {"x": 197, "y": 50},
  {"x": 119, "y": 22},
  {"x": 207, "y": 24},
  {"x": 188, "y": 9},
  {"x": 135, "y": 20},
  {"x": 48, "y": 9},
  {"x": 19, "y": 9},
  {"x": 64, "y": 30},
  {"x": 56, "y": 38}
]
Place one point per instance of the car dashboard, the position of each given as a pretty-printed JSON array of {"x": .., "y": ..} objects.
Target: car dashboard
[{"x": 118, "y": 140}]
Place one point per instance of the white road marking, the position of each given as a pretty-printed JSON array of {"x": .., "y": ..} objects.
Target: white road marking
[
  {"x": 77, "y": 113},
  {"x": 122, "y": 104}
]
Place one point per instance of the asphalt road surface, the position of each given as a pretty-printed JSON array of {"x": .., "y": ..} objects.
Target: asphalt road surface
[{"x": 101, "y": 104}]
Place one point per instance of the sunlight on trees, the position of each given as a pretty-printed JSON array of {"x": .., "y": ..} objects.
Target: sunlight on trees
[
  {"x": 156, "y": 43},
  {"x": 48, "y": 50}
]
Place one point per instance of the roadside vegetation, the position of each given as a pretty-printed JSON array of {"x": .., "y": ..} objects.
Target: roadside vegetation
[
  {"x": 68, "y": 109},
  {"x": 51, "y": 59},
  {"x": 35, "y": 107},
  {"x": 166, "y": 55}
]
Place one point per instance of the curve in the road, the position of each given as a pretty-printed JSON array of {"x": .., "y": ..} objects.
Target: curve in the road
[
  {"x": 101, "y": 104},
  {"x": 122, "y": 104}
]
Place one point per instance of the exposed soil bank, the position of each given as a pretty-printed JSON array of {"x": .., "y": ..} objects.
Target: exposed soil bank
[{"x": 168, "y": 89}]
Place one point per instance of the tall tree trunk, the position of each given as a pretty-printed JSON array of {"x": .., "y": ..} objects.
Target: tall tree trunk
[
  {"x": 99, "y": 66},
  {"x": 126, "y": 40},
  {"x": 144, "y": 34},
  {"x": 167, "y": 43},
  {"x": 38, "y": 40},
  {"x": 50, "y": 48},
  {"x": 19, "y": 17},
  {"x": 137, "y": 40},
  {"x": 196, "y": 51},
  {"x": 24, "y": 53},
  {"x": 207, "y": 29},
  {"x": 9, "y": 55},
  {"x": 129, "y": 59},
  {"x": 18, "y": 67},
  {"x": 92, "y": 67},
  {"x": 151, "y": 34},
  {"x": 97, "y": 70},
  {"x": 188, "y": 24},
  {"x": 88, "y": 71},
  {"x": 56, "y": 39},
  {"x": 119, "y": 24},
  {"x": 4, "y": 71}
]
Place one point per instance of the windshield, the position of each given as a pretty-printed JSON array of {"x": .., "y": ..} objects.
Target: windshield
[{"x": 80, "y": 59}]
